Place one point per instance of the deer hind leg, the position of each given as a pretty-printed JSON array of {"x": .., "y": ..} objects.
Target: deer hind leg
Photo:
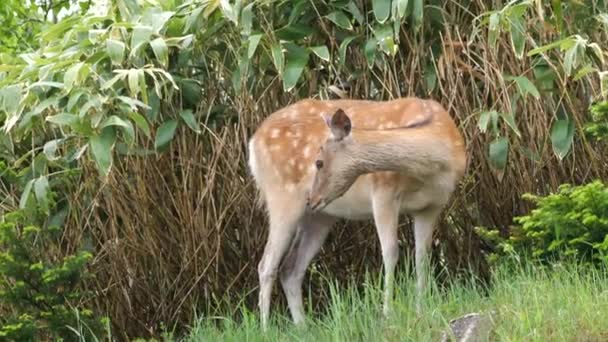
[
  {"x": 424, "y": 225},
  {"x": 284, "y": 216},
  {"x": 312, "y": 233},
  {"x": 386, "y": 218}
]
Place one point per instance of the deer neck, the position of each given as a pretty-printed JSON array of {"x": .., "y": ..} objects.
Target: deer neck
[{"x": 413, "y": 153}]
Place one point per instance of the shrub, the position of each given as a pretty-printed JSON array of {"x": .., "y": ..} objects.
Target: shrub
[
  {"x": 572, "y": 223},
  {"x": 39, "y": 281}
]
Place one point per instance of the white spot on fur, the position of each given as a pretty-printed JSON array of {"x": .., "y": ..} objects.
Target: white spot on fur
[
  {"x": 293, "y": 114},
  {"x": 275, "y": 133},
  {"x": 436, "y": 106},
  {"x": 275, "y": 147},
  {"x": 290, "y": 187},
  {"x": 307, "y": 151},
  {"x": 295, "y": 143},
  {"x": 292, "y": 162}
]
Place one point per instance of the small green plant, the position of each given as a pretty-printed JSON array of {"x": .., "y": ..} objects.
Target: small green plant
[
  {"x": 40, "y": 280},
  {"x": 597, "y": 128},
  {"x": 572, "y": 223}
]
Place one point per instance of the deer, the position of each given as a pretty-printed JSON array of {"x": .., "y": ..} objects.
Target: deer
[{"x": 318, "y": 161}]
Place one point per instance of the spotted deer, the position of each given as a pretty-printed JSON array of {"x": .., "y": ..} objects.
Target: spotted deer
[{"x": 315, "y": 161}]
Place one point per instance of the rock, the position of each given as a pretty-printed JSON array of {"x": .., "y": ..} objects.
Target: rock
[{"x": 473, "y": 327}]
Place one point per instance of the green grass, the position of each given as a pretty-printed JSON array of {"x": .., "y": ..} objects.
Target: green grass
[{"x": 567, "y": 303}]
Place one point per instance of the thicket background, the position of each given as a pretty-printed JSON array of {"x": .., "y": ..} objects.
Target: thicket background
[{"x": 129, "y": 130}]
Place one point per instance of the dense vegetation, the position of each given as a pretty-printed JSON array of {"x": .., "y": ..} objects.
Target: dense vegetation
[{"x": 124, "y": 191}]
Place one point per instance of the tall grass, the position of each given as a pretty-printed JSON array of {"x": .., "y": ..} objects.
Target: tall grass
[{"x": 527, "y": 303}]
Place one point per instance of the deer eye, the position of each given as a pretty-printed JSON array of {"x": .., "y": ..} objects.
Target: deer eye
[{"x": 319, "y": 164}]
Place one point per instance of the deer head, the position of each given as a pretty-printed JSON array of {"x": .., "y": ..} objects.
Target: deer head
[{"x": 336, "y": 167}]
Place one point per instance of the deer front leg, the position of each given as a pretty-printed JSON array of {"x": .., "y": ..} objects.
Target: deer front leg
[
  {"x": 386, "y": 218},
  {"x": 424, "y": 225},
  {"x": 313, "y": 231}
]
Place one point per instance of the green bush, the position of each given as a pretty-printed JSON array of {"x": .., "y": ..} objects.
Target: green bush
[
  {"x": 597, "y": 128},
  {"x": 572, "y": 223},
  {"x": 39, "y": 287}
]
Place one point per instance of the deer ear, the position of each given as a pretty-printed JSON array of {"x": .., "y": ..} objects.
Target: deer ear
[{"x": 340, "y": 125}]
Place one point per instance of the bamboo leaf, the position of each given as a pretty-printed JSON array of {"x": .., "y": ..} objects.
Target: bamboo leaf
[
  {"x": 297, "y": 58},
  {"x": 277, "y": 57},
  {"x": 41, "y": 187},
  {"x": 26, "y": 194},
  {"x": 165, "y": 133},
  {"x": 321, "y": 51},
  {"x": 342, "y": 49},
  {"x": 117, "y": 121},
  {"x": 190, "y": 120},
  {"x": 62, "y": 119},
  {"x": 116, "y": 51},
  {"x": 254, "y": 40},
  {"x": 417, "y": 14},
  {"x": 140, "y": 122},
  {"x": 70, "y": 76},
  {"x": 101, "y": 149},
  {"x": 382, "y": 10},
  {"x": 161, "y": 51},
  {"x": 498, "y": 152},
  {"x": 340, "y": 19},
  {"x": 562, "y": 133}
]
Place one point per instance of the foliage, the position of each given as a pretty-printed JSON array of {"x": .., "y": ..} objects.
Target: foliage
[
  {"x": 39, "y": 287},
  {"x": 597, "y": 128},
  {"x": 158, "y": 98},
  {"x": 572, "y": 223}
]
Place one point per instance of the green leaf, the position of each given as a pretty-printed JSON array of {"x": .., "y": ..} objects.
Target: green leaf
[
  {"x": 101, "y": 148},
  {"x": 116, "y": 50},
  {"x": 340, "y": 19},
  {"x": 140, "y": 122},
  {"x": 371, "y": 46},
  {"x": 161, "y": 51},
  {"x": 382, "y": 10},
  {"x": 584, "y": 71},
  {"x": 26, "y": 194},
  {"x": 117, "y": 121},
  {"x": 493, "y": 29},
  {"x": 401, "y": 8},
  {"x": 133, "y": 78},
  {"x": 354, "y": 10},
  {"x": 247, "y": 19},
  {"x": 41, "y": 186},
  {"x": 321, "y": 51},
  {"x": 417, "y": 14},
  {"x": 563, "y": 44},
  {"x": 62, "y": 119},
  {"x": 190, "y": 120},
  {"x": 518, "y": 37},
  {"x": 297, "y": 58},
  {"x": 155, "y": 18},
  {"x": 50, "y": 148},
  {"x": 510, "y": 120},
  {"x": 342, "y": 49},
  {"x": 484, "y": 119},
  {"x": 254, "y": 40},
  {"x": 141, "y": 35},
  {"x": 498, "y": 152},
  {"x": 430, "y": 76},
  {"x": 562, "y": 133},
  {"x": 277, "y": 57},
  {"x": 165, "y": 133},
  {"x": 525, "y": 86},
  {"x": 71, "y": 75}
]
